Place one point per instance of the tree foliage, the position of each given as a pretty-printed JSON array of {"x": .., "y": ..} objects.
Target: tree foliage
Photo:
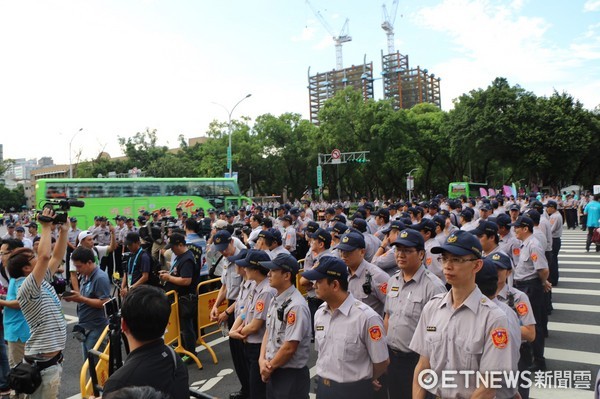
[{"x": 500, "y": 134}]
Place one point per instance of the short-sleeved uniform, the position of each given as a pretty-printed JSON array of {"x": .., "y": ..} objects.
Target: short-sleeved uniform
[
  {"x": 280, "y": 249},
  {"x": 531, "y": 259},
  {"x": 403, "y": 305},
  {"x": 349, "y": 340},
  {"x": 289, "y": 238},
  {"x": 289, "y": 320},
  {"x": 431, "y": 260},
  {"x": 472, "y": 337},
  {"x": 378, "y": 286},
  {"x": 231, "y": 278},
  {"x": 387, "y": 261}
]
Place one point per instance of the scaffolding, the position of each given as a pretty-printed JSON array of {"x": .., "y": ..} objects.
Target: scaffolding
[
  {"x": 406, "y": 86},
  {"x": 324, "y": 86}
]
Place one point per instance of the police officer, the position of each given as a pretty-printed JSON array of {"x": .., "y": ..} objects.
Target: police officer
[
  {"x": 461, "y": 330},
  {"x": 556, "y": 222},
  {"x": 519, "y": 303},
  {"x": 285, "y": 347},
  {"x": 72, "y": 235},
  {"x": 407, "y": 293},
  {"x": 349, "y": 336},
  {"x": 372, "y": 243},
  {"x": 366, "y": 282},
  {"x": 385, "y": 257},
  {"x": 531, "y": 277},
  {"x": 231, "y": 282},
  {"x": 250, "y": 325},
  {"x": 487, "y": 282}
]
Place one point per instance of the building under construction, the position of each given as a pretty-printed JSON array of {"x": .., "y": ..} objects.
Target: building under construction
[
  {"x": 406, "y": 86},
  {"x": 323, "y": 86}
]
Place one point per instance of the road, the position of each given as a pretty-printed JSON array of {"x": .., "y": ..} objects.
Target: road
[{"x": 573, "y": 344}]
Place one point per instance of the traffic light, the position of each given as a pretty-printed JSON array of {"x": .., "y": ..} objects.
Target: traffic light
[{"x": 358, "y": 160}]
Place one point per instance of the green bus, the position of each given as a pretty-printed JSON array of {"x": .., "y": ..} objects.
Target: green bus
[
  {"x": 128, "y": 196},
  {"x": 469, "y": 189}
]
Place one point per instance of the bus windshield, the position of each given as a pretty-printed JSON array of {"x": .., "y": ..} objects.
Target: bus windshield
[{"x": 468, "y": 189}]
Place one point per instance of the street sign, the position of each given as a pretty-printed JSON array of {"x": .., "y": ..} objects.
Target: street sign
[
  {"x": 335, "y": 154},
  {"x": 319, "y": 176},
  {"x": 596, "y": 189},
  {"x": 410, "y": 183},
  {"x": 228, "y": 157}
]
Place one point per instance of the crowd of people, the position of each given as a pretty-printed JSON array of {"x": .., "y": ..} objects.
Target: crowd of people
[{"x": 394, "y": 289}]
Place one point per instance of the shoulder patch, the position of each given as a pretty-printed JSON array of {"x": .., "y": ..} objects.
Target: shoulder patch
[
  {"x": 521, "y": 308},
  {"x": 428, "y": 261},
  {"x": 500, "y": 338},
  {"x": 516, "y": 251},
  {"x": 383, "y": 288},
  {"x": 260, "y": 306},
  {"x": 534, "y": 257},
  {"x": 291, "y": 318},
  {"x": 375, "y": 333}
]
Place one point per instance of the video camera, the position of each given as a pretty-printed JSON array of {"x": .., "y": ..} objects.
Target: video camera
[
  {"x": 240, "y": 228},
  {"x": 60, "y": 208}
]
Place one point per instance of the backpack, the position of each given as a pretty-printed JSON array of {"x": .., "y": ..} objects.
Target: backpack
[{"x": 154, "y": 269}]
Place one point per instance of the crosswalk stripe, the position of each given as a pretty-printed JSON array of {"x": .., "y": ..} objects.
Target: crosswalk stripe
[
  {"x": 574, "y": 328},
  {"x": 576, "y": 307},
  {"x": 581, "y": 262},
  {"x": 580, "y": 280},
  {"x": 557, "y": 290},
  {"x": 566, "y": 355},
  {"x": 585, "y": 255}
]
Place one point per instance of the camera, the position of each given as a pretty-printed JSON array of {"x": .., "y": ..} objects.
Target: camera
[
  {"x": 111, "y": 308},
  {"x": 125, "y": 260},
  {"x": 60, "y": 208}
]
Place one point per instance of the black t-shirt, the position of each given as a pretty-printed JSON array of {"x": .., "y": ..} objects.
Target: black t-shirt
[
  {"x": 152, "y": 365},
  {"x": 184, "y": 266},
  {"x": 138, "y": 263}
]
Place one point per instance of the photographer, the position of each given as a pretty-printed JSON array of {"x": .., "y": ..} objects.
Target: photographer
[
  {"x": 94, "y": 292},
  {"x": 40, "y": 305},
  {"x": 183, "y": 277},
  {"x": 139, "y": 265},
  {"x": 144, "y": 318},
  {"x": 86, "y": 240}
]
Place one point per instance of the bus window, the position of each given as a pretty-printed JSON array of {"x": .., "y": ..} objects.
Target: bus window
[
  {"x": 127, "y": 190},
  {"x": 202, "y": 188},
  {"x": 148, "y": 189},
  {"x": 95, "y": 191},
  {"x": 55, "y": 191},
  {"x": 176, "y": 189},
  {"x": 114, "y": 190}
]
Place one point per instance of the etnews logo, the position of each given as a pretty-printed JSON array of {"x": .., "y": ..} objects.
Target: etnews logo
[{"x": 560, "y": 379}]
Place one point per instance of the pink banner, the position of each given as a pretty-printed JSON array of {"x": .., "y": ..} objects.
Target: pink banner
[
  {"x": 492, "y": 192},
  {"x": 483, "y": 192},
  {"x": 507, "y": 191}
]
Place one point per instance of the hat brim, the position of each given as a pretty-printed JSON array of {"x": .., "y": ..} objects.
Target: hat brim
[
  {"x": 453, "y": 249},
  {"x": 221, "y": 247},
  {"x": 477, "y": 232},
  {"x": 313, "y": 275},
  {"x": 404, "y": 243},
  {"x": 274, "y": 266},
  {"x": 346, "y": 247}
]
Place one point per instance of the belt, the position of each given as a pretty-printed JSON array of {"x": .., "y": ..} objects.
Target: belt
[
  {"x": 533, "y": 281},
  {"x": 397, "y": 353},
  {"x": 44, "y": 364},
  {"x": 330, "y": 383}
]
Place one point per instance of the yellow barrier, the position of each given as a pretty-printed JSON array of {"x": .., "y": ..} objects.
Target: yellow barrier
[
  {"x": 173, "y": 333},
  {"x": 101, "y": 368},
  {"x": 206, "y": 301}
]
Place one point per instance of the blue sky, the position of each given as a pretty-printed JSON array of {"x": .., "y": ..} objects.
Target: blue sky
[{"x": 116, "y": 67}]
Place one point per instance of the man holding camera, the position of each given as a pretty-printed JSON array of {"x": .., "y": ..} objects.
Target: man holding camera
[
  {"x": 144, "y": 318},
  {"x": 183, "y": 277},
  {"x": 94, "y": 292}
]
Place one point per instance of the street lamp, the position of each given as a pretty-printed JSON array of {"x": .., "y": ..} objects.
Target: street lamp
[
  {"x": 71, "y": 164},
  {"x": 410, "y": 184},
  {"x": 229, "y": 113}
]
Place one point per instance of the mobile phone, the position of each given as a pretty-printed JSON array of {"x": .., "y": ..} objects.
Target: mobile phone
[
  {"x": 111, "y": 307},
  {"x": 68, "y": 293}
]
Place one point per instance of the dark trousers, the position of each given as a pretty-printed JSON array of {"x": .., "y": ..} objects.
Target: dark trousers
[
  {"x": 525, "y": 361},
  {"x": 535, "y": 293},
  {"x": 553, "y": 266},
  {"x": 571, "y": 215},
  {"x": 289, "y": 384},
  {"x": 240, "y": 364},
  {"x": 583, "y": 221},
  {"x": 588, "y": 241},
  {"x": 188, "y": 311},
  {"x": 400, "y": 373},
  {"x": 258, "y": 389},
  {"x": 327, "y": 389}
]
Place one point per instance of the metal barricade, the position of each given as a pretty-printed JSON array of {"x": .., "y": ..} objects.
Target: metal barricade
[{"x": 205, "y": 303}]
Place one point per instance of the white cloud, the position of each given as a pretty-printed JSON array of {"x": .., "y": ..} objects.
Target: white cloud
[
  {"x": 492, "y": 39},
  {"x": 591, "y": 5}
]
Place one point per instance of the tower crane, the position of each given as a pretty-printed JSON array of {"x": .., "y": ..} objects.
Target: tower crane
[
  {"x": 388, "y": 25},
  {"x": 341, "y": 38}
]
